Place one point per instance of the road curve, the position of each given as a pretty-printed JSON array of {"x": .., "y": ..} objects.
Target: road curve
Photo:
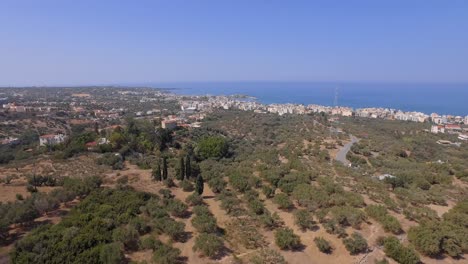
[{"x": 341, "y": 155}]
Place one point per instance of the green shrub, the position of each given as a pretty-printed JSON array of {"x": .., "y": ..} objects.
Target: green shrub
[
  {"x": 212, "y": 147},
  {"x": 217, "y": 184},
  {"x": 111, "y": 254},
  {"x": 304, "y": 219},
  {"x": 19, "y": 197},
  {"x": 283, "y": 201},
  {"x": 286, "y": 239},
  {"x": 355, "y": 244},
  {"x": 267, "y": 256},
  {"x": 79, "y": 237},
  {"x": 186, "y": 186},
  {"x": 270, "y": 221},
  {"x": 205, "y": 223},
  {"x": 166, "y": 193},
  {"x": 111, "y": 159},
  {"x": 437, "y": 237},
  {"x": 128, "y": 236},
  {"x": 256, "y": 206},
  {"x": 239, "y": 182},
  {"x": 165, "y": 254},
  {"x": 194, "y": 199},
  {"x": 395, "y": 250},
  {"x": 177, "y": 208},
  {"x": 323, "y": 245},
  {"x": 148, "y": 242},
  {"x": 348, "y": 216},
  {"x": 268, "y": 191},
  {"x": 140, "y": 225},
  {"x": 170, "y": 227},
  {"x": 389, "y": 223},
  {"x": 169, "y": 183},
  {"x": 209, "y": 245}
]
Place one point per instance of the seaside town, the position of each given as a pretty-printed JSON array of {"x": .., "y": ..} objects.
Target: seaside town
[{"x": 104, "y": 107}]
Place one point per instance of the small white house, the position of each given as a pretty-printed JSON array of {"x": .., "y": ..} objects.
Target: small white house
[
  {"x": 437, "y": 129},
  {"x": 51, "y": 139}
]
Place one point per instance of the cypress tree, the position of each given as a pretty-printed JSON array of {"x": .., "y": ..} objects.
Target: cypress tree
[
  {"x": 164, "y": 169},
  {"x": 188, "y": 167},
  {"x": 199, "y": 185},
  {"x": 96, "y": 128},
  {"x": 182, "y": 169},
  {"x": 156, "y": 173}
]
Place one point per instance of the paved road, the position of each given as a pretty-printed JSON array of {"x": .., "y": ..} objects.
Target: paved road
[{"x": 341, "y": 155}]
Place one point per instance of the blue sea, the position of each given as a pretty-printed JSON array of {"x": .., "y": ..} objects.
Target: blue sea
[{"x": 427, "y": 98}]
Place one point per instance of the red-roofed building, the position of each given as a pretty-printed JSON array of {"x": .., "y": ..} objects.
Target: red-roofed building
[
  {"x": 453, "y": 127},
  {"x": 91, "y": 145}
]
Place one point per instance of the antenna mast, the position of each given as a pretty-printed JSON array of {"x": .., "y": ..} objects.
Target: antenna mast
[{"x": 335, "y": 102}]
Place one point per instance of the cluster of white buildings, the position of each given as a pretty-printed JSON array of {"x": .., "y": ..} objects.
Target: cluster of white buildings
[
  {"x": 226, "y": 102},
  {"x": 12, "y": 107},
  {"x": 448, "y": 119},
  {"x": 51, "y": 139}
]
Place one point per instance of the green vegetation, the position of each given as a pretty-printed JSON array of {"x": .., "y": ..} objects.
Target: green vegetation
[
  {"x": 448, "y": 236},
  {"x": 303, "y": 219},
  {"x": 395, "y": 250},
  {"x": 283, "y": 201},
  {"x": 199, "y": 185},
  {"x": 246, "y": 158},
  {"x": 379, "y": 213},
  {"x": 26, "y": 210},
  {"x": 286, "y": 239},
  {"x": 323, "y": 245},
  {"x": 212, "y": 147},
  {"x": 165, "y": 254},
  {"x": 209, "y": 245},
  {"x": 355, "y": 244},
  {"x": 267, "y": 256},
  {"x": 204, "y": 221},
  {"x": 99, "y": 220}
]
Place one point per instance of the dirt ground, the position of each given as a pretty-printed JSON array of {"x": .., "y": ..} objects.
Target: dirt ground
[{"x": 8, "y": 192}]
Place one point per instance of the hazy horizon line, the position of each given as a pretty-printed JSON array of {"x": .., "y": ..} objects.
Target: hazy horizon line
[{"x": 151, "y": 83}]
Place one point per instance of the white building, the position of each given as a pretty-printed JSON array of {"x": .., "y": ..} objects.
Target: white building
[
  {"x": 51, "y": 139},
  {"x": 437, "y": 129}
]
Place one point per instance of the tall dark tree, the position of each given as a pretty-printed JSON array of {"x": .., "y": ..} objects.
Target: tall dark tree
[
  {"x": 182, "y": 169},
  {"x": 164, "y": 169},
  {"x": 156, "y": 173},
  {"x": 188, "y": 167},
  {"x": 96, "y": 128},
  {"x": 199, "y": 185}
]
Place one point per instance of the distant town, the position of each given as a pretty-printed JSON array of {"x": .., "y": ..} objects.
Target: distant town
[{"x": 106, "y": 106}]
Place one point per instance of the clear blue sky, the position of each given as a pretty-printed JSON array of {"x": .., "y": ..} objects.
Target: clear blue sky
[{"x": 45, "y": 42}]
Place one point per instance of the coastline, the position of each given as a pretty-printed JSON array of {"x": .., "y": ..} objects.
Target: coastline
[{"x": 444, "y": 99}]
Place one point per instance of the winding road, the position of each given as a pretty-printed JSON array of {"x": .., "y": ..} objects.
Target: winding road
[{"x": 341, "y": 155}]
